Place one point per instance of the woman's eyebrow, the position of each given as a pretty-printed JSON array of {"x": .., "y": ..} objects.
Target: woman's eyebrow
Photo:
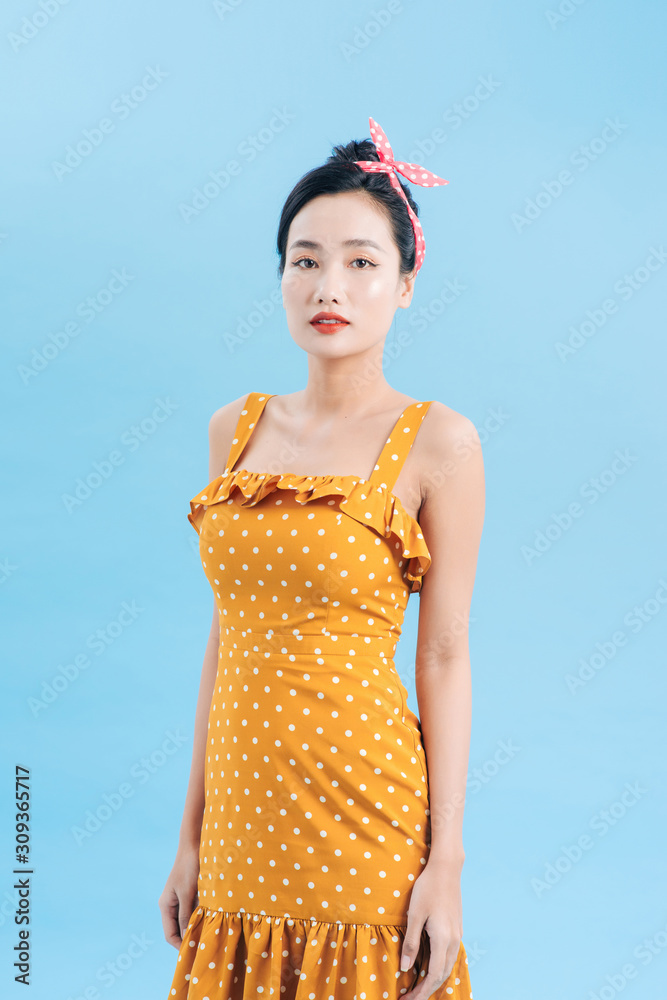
[{"x": 357, "y": 242}]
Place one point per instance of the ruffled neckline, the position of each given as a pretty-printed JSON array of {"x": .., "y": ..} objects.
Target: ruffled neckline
[{"x": 368, "y": 503}]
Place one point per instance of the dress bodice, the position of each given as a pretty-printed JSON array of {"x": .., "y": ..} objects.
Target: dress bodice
[{"x": 313, "y": 555}]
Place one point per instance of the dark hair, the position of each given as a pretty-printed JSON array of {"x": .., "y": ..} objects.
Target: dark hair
[{"x": 340, "y": 173}]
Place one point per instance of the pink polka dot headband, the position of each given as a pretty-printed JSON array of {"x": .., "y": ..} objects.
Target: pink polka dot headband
[{"x": 419, "y": 175}]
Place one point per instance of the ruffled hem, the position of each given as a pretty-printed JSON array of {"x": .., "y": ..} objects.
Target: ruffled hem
[
  {"x": 233, "y": 955},
  {"x": 371, "y": 505}
]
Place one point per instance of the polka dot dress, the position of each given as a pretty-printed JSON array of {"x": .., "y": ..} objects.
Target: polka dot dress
[{"x": 316, "y": 819}]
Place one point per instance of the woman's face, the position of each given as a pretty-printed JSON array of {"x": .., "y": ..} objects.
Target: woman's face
[{"x": 341, "y": 258}]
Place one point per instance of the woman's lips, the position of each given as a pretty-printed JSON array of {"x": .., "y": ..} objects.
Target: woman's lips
[{"x": 322, "y": 327}]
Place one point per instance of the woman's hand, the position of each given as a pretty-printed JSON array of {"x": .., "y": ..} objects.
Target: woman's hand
[
  {"x": 179, "y": 896},
  {"x": 435, "y": 903}
]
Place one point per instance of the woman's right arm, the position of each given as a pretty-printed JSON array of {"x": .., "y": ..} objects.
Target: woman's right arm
[{"x": 178, "y": 898}]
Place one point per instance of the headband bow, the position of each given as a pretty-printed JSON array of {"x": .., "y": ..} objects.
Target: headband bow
[{"x": 418, "y": 175}]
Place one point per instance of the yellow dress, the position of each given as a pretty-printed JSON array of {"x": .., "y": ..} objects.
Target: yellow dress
[{"x": 316, "y": 820}]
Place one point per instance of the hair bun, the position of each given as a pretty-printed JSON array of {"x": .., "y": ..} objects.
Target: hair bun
[
  {"x": 353, "y": 150},
  {"x": 365, "y": 149}
]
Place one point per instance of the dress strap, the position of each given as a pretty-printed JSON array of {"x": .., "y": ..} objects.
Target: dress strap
[
  {"x": 398, "y": 445},
  {"x": 250, "y": 414}
]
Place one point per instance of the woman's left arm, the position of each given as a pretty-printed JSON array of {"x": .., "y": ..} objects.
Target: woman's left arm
[{"x": 451, "y": 519}]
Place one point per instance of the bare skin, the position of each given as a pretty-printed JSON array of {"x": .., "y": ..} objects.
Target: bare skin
[
  {"x": 329, "y": 447},
  {"x": 337, "y": 425}
]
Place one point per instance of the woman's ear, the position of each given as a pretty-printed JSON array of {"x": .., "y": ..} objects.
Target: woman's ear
[{"x": 407, "y": 283}]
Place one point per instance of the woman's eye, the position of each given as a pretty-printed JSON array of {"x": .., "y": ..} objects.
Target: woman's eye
[{"x": 303, "y": 260}]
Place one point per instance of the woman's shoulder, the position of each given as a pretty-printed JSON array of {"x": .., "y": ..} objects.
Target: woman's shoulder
[
  {"x": 446, "y": 424},
  {"x": 445, "y": 437},
  {"x": 229, "y": 413},
  {"x": 221, "y": 429}
]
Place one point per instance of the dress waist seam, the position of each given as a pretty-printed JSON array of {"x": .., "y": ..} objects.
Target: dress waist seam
[
  {"x": 212, "y": 910},
  {"x": 272, "y": 643}
]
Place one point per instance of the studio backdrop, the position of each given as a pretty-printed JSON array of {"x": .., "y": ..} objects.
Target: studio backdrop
[{"x": 148, "y": 150}]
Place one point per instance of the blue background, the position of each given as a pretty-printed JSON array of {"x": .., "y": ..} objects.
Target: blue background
[{"x": 500, "y": 100}]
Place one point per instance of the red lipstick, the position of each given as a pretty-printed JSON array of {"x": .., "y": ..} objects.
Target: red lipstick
[{"x": 328, "y": 322}]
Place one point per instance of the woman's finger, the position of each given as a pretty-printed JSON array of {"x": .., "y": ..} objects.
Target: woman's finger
[
  {"x": 412, "y": 939},
  {"x": 186, "y": 910},
  {"x": 169, "y": 909},
  {"x": 441, "y": 962}
]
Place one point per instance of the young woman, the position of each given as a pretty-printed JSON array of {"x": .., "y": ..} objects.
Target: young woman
[{"x": 320, "y": 852}]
